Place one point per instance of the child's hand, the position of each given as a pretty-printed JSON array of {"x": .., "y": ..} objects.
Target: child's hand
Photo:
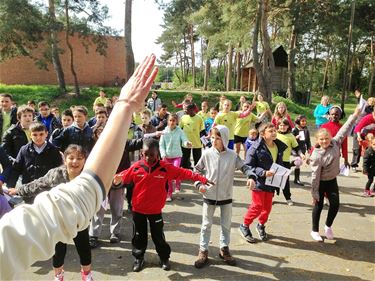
[
  {"x": 12, "y": 191},
  {"x": 269, "y": 173},
  {"x": 251, "y": 184},
  {"x": 203, "y": 188},
  {"x": 357, "y": 111},
  {"x": 159, "y": 133},
  {"x": 117, "y": 179},
  {"x": 315, "y": 201},
  {"x": 189, "y": 144}
]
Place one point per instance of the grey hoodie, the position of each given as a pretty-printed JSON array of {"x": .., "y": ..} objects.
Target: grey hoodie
[{"x": 220, "y": 168}]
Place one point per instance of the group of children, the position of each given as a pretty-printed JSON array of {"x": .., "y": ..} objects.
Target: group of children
[{"x": 166, "y": 142}]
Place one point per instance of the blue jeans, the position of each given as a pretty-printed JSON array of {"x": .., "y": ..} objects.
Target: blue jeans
[
  {"x": 207, "y": 219},
  {"x": 231, "y": 144}
]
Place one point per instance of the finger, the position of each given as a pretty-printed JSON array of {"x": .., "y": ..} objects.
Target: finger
[
  {"x": 152, "y": 77},
  {"x": 140, "y": 67},
  {"x": 148, "y": 66}
]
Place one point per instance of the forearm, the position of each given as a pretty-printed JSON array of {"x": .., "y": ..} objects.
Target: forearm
[{"x": 111, "y": 143}]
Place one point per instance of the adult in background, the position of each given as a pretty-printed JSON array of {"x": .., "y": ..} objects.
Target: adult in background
[
  {"x": 321, "y": 112},
  {"x": 154, "y": 102}
]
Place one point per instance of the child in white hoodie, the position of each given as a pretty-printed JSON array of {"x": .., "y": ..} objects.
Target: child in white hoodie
[{"x": 219, "y": 163}]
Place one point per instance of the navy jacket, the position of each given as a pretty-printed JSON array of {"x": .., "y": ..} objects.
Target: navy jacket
[
  {"x": 32, "y": 165},
  {"x": 54, "y": 123},
  {"x": 6, "y": 165},
  {"x": 260, "y": 159},
  {"x": 74, "y": 135},
  {"x": 14, "y": 138}
]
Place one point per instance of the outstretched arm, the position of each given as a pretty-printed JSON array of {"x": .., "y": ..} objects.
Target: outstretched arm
[{"x": 104, "y": 158}]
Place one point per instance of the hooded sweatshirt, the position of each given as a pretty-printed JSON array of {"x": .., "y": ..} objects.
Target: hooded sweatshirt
[
  {"x": 171, "y": 142},
  {"x": 220, "y": 168},
  {"x": 325, "y": 163}
]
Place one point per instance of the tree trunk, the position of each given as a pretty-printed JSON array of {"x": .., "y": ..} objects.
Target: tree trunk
[
  {"x": 344, "y": 85},
  {"x": 129, "y": 55},
  {"x": 372, "y": 67},
  {"x": 325, "y": 76},
  {"x": 238, "y": 69},
  {"x": 349, "y": 85},
  {"x": 55, "y": 49},
  {"x": 186, "y": 62},
  {"x": 291, "y": 68},
  {"x": 76, "y": 85},
  {"x": 191, "y": 36},
  {"x": 229, "y": 68},
  {"x": 264, "y": 70}
]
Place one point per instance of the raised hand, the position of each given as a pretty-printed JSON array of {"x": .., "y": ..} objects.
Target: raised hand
[{"x": 136, "y": 89}]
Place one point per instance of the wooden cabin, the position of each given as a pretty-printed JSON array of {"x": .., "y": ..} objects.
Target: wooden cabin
[{"x": 249, "y": 81}]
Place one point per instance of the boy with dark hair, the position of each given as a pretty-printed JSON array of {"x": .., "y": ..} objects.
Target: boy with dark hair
[
  {"x": 46, "y": 117},
  {"x": 19, "y": 134},
  {"x": 96, "y": 107},
  {"x": 78, "y": 133},
  {"x": 8, "y": 114},
  {"x": 160, "y": 119},
  {"x": 150, "y": 176},
  {"x": 36, "y": 158}
]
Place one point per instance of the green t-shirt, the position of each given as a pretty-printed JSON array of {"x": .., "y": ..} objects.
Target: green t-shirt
[
  {"x": 273, "y": 151},
  {"x": 229, "y": 120},
  {"x": 261, "y": 107},
  {"x": 192, "y": 126},
  {"x": 242, "y": 126},
  {"x": 291, "y": 141},
  {"x": 137, "y": 118},
  {"x": 6, "y": 121}
]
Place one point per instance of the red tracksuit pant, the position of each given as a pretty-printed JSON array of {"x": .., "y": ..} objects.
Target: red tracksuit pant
[{"x": 260, "y": 207}]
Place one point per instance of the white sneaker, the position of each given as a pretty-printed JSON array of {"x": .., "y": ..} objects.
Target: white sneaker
[
  {"x": 290, "y": 202},
  {"x": 169, "y": 199},
  {"x": 329, "y": 232},
  {"x": 316, "y": 236}
]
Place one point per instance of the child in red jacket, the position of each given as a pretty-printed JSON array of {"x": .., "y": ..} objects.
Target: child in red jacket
[{"x": 150, "y": 176}]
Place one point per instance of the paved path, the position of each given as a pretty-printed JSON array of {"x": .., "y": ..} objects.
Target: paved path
[{"x": 290, "y": 254}]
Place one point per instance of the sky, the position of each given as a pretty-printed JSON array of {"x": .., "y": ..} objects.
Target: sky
[{"x": 146, "y": 21}]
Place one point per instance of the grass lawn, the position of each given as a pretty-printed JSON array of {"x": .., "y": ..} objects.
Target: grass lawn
[{"x": 23, "y": 93}]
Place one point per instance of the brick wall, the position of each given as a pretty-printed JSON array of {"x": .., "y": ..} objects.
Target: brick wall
[{"x": 91, "y": 67}]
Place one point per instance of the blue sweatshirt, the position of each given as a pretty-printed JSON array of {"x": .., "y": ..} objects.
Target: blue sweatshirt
[{"x": 319, "y": 113}]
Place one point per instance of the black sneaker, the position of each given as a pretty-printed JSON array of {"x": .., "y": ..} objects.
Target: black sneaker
[
  {"x": 246, "y": 233},
  {"x": 93, "y": 242},
  {"x": 261, "y": 229},
  {"x": 138, "y": 265},
  {"x": 165, "y": 264}
]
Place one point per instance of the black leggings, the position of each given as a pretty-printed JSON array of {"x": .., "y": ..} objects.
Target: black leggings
[
  {"x": 331, "y": 190},
  {"x": 286, "y": 190},
  {"x": 186, "y": 152},
  {"x": 370, "y": 181},
  {"x": 83, "y": 248}
]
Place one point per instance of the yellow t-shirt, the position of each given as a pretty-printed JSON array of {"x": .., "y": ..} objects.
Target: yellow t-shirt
[
  {"x": 291, "y": 141},
  {"x": 137, "y": 118},
  {"x": 192, "y": 126},
  {"x": 242, "y": 126},
  {"x": 229, "y": 120},
  {"x": 28, "y": 134},
  {"x": 6, "y": 121},
  {"x": 100, "y": 100},
  {"x": 274, "y": 152},
  {"x": 262, "y": 106},
  {"x": 203, "y": 115}
]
